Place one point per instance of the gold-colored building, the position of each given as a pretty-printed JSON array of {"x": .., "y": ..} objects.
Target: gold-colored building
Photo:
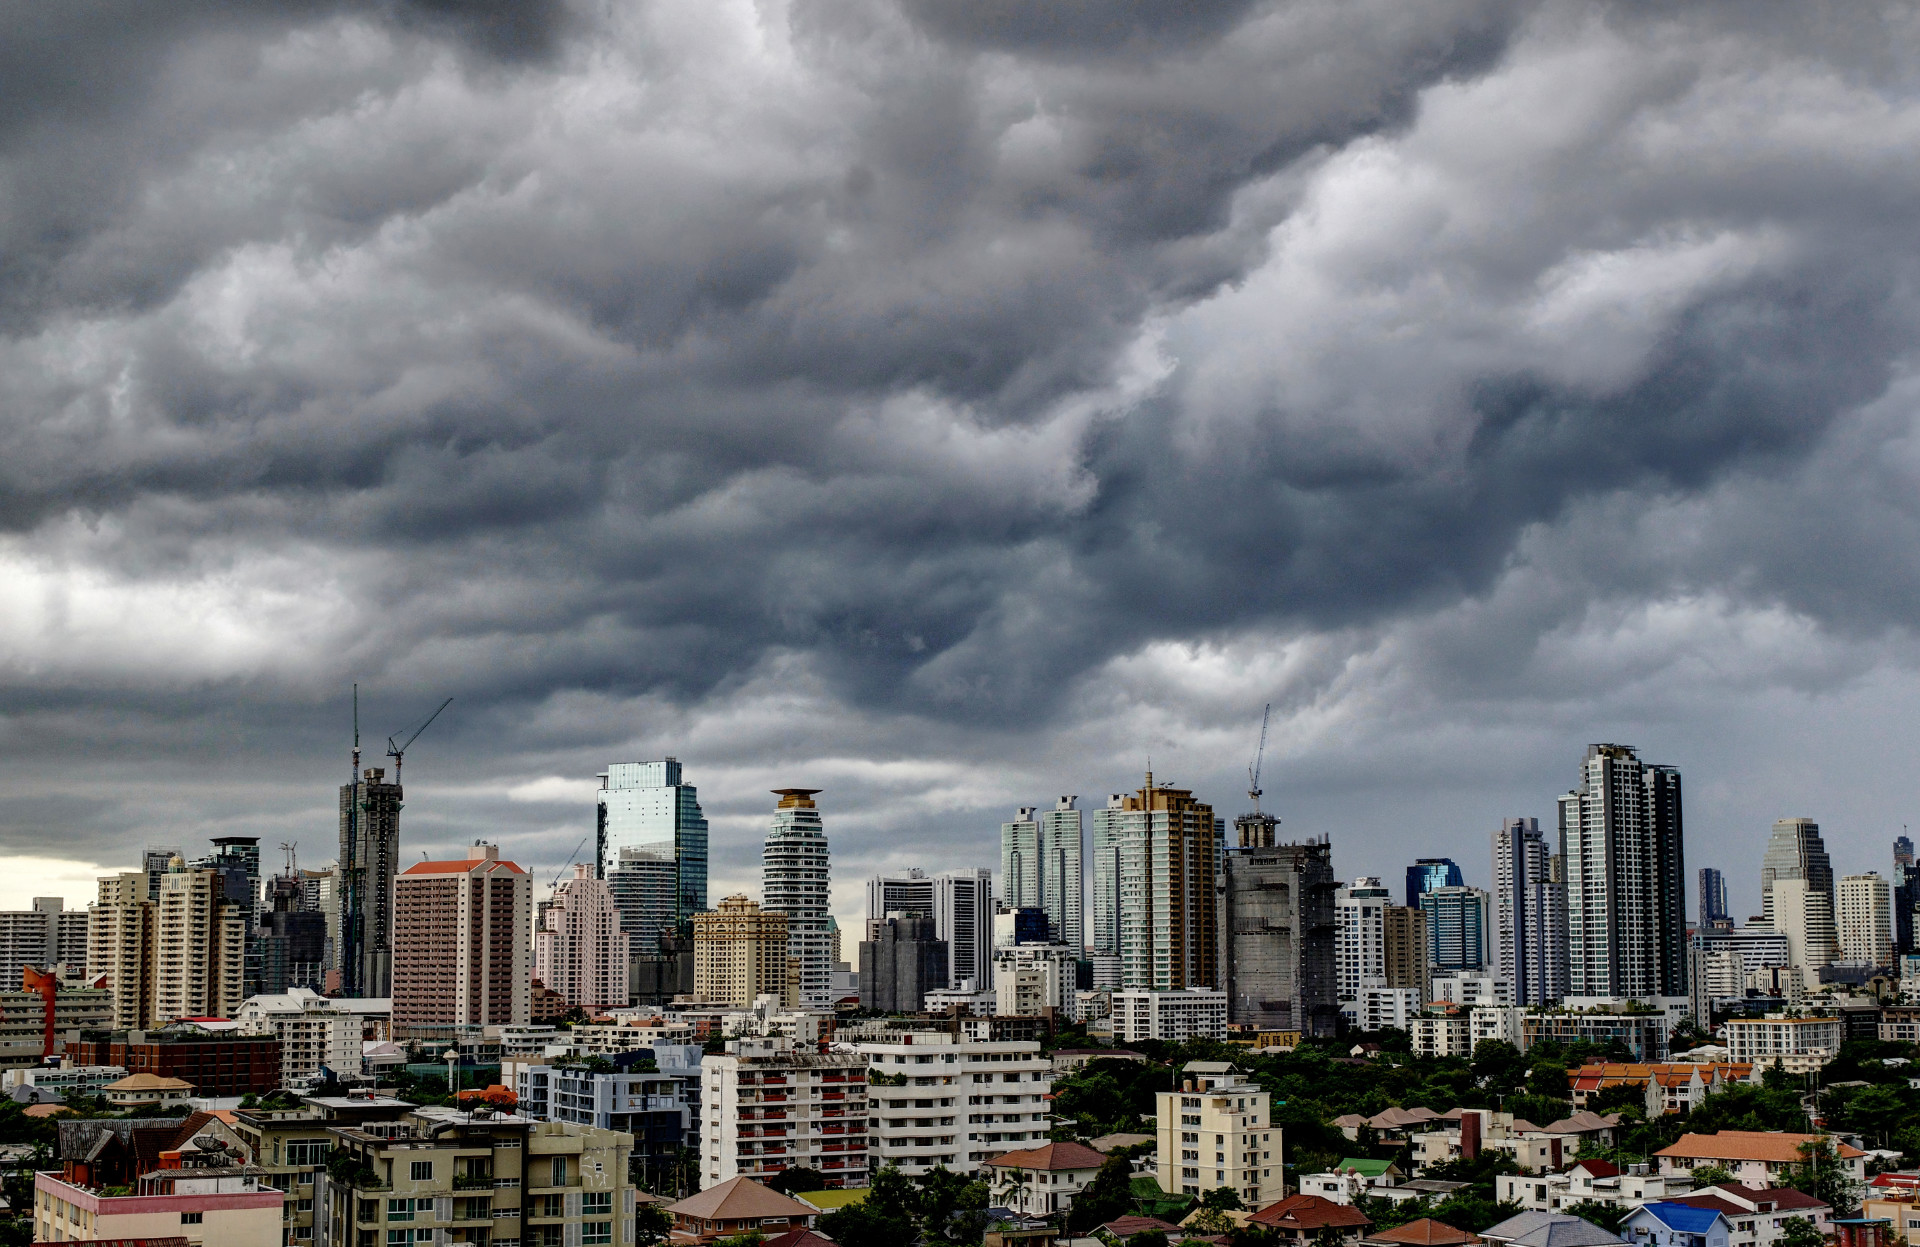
[{"x": 739, "y": 953}]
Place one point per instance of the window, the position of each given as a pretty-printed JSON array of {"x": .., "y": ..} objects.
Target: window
[
  {"x": 596, "y": 1202},
  {"x": 306, "y": 1153},
  {"x": 399, "y": 1210},
  {"x": 397, "y": 1237},
  {"x": 422, "y": 1171},
  {"x": 596, "y": 1231},
  {"x": 192, "y": 1218},
  {"x": 559, "y": 1171}
]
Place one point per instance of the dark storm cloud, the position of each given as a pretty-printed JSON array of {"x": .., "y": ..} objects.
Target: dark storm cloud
[{"x": 859, "y": 384}]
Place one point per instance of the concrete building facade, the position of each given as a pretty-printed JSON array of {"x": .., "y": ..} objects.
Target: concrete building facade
[
  {"x": 1277, "y": 926},
  {"x": 461, "y": 955},
  {"x": 580, "y": 949},
  {"x": 740, "y": 953},
  {"x": 1215, "y": 1130},
  {"x": 797, "y": 879}
]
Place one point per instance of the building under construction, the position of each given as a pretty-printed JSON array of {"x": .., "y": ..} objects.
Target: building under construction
[
  {"x": 1277, "y": 927},
  {"x": 369, "y": 854}
]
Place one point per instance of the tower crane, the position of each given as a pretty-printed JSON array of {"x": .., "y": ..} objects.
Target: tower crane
[
  {"x": 1253, "y": 772},
  {"x": 398, "y": 752}
]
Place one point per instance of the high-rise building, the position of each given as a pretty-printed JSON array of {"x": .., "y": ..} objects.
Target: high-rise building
[
  {"x": 579, "y": 949},
  {"x": 1277, "y": 928},
  {"x": 369, "y": 855},
  {"x": 1030, "y": 979},
  {"x": 1360, "y": 936},
  {"x": 739, "y": 954},
  {"x": 320, "y": 894},
  {"x": 901, "y": 960},
  {"x": 1408, "y": 963},
  {"x": 48, "y": 934},
  {"x": 120, "y": 932},
  {"x": 651, "y": 847},
  {"x": 1795, "y": 851},
  {"x": 237, "y": 858},
  {"x": 1866, "y": 919},
  {"x": 1159, "y": 849},
  {"x": 1713, "y": 897},
  {"x": 1529, "y": 914},
  {"x": 1040, "y": 867},
  {"x": 290, "y": 940},
  {"x": 1429, "y": 873},
  {"x": 1215, "y": 1129},
  {"x": 961, "y": 902},
  {"x": 797, "y": 880},
  {"x": 819, "y": 1123},
  {"x": 1902, "y": 852},
  {"x": 199, "y": 947},
  {"x": 1459, "y": 927},
  {"x": 1906, "y": 905},
  {"x": 1804, "y": 914},
  {"x": 460, "y": 955},
  {"x": 154, "y": 861},
  {"x": 1622, "y": 842}
]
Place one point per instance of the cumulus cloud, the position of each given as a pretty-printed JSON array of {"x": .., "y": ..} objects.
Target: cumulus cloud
[{"x": 947, "y": 405}]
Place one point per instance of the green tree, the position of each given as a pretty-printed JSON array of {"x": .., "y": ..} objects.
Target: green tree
[
  {"x": 1548, "y": 1077},
  {"x": 1800, "y": 1232},
  {"x": 1711, "y": 1175},
  {"x": 1108, "y": 1195},
  {"x": 1209, "y": 1221},
  {"x": 951, "y": 1206},
  {"x": 1876, "y": 1112},
  {"x": 1606, "y": 1216},
  {"x": 1148, "y": 1238},
  {"x": 1619, "y": 1097},
  {"x": 1222, "y": 1198},
  {"x": 1499, "y": 1064},
  {"x": 1329, "y": 1236},
  {"x": 652, "y": 1223},
  {"x": 884, "y": 1219},
  {"x": 1820, "y": 1173},
  {"x": 797, "y": 1179}
]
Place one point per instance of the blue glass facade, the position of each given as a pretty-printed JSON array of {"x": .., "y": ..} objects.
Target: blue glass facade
[
  {"x": 1429, "y": 873},
  {"x": 652, "y": 848}
]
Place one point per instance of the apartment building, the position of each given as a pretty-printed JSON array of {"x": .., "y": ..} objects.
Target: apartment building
[
  {"x": 1753, "y": 1157},
  {"x": 460, "y": 954},
  {"x": 1216, "y": 1130},
  {"x": 740, "y": 953},
  {"x": 772, "y": 1103},
  {"x": 316, "y": 1030},
  {"x": 46, "y": 935},
  {"x": 447, "y": 1175},
  {"x": 939, "y": 1099},
  {"x": 291, "y": 1146},
  {"x": 657, "y": 1100},
  {"x": 1196, "y": 1012},
  {"x": 1801, "y": 1045},
  {"x": 23, "y": 1037},
  {"x": 226, "y": 1207}
]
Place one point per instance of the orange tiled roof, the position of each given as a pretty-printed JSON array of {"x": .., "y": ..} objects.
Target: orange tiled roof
[{"x": 1773, "y": 1147}]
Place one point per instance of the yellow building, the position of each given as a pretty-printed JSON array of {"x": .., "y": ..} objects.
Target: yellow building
[
  {"x": 120, "y": 946},
  {"x": 739, "y": 953},
  {"x": 1216, "y": 1130}
]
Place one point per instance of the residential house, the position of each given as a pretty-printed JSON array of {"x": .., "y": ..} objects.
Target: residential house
[
  {"x": 149, "y": 1091},
  {"x": 1758, "y": 1216},
  {"x": 1301, "y": 1218},
  {"x": 1548, "y": 1229},
  {"x": 1596, "y": 1181},
  {"x": 1669, "y": 1088},
  {"x": 737, "y": 1206},
  {"x": 1426, "y": 1232},
  {"x": 1042, "y": 1181},
  {"x": 1754, "y": 1157},
  {"x": 1665, "y": 1224},
  {"x": 1351, "y": 1179}
]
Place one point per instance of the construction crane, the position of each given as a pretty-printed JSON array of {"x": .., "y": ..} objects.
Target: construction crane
[
  {"x": 398, "y": 752},
  {"x": 555, "y": 882},
  {"x": 292, "y": 858},
  {"x": 1259, "y": 755}
]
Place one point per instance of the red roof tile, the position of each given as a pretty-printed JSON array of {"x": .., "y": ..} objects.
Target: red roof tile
[{"x": 1309, "y": 1212}]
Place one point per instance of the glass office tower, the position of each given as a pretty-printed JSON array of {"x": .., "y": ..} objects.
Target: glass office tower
[{"x": 652, "y": 848}]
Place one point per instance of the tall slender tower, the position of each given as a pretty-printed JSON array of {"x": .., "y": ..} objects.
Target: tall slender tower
[
  {"x": 1621, "y": 838},
  {"x": 652, "y": 849},
  {"x": 797, "y": 880},
  {"x": 369, "y": 853},
  {"x": 1865, "y": 919},
  {"x": 1713, "y": 897},
  {"x": 1168, "y": 855},
  {"x": 1040, "y": 867},
  {"x": 1020, "y": 871},
  {"x": 1529, "y": 914}
]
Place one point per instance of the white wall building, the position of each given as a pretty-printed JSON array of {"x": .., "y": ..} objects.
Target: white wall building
[
  {"x": 579, "y": 949},
  {"x": 1029, "y": 979},
  {"x": 1866, "y": 919},
  {"x": 960, "y": 902},
  {"x": 46, "y": 935},
  {"x": 316, "y": 1030},
  {"x": 939, "y": 1100},
  {"x": 1471, "y": 988},
  {"x": 1377, "y": 1008},
  {"x": 1197, "y": 1011},
  {"x": 1801, "y": 1045},
  {"x": 1804, "y": 914},
  {"x": 1443, "y": 1033},
  {"x": 769, "y": 1104},
  {"x": 796, "y": 880},
  {"x": 1360, "y": 936}
]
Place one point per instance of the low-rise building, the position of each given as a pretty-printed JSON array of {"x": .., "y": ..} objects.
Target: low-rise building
[
  {"x": 1744, "y": 1217},
  {"x": 1548, "y": 1229},
  {"x": 771, "y": 1104},
  {"x": 448, "y": 1175},
  {"x": 1376, "y": 1008},
  {"x": 220, "y": 1207},
  {"x": 1799, "y": 1045},
  {"x": 1301, "y": 1219},
  {"x": 1425, "y": 1232},
  {"x": 1670, "y": 1087},
  {"x": 149, "y": 1091},
  {"x": 1067, "y": 1060},
  {"x": 1536, "y": 1149},
  {"x": 290, "y": 1147},
  {"x": 1041, "y": 1181},
  {"x": 1195, "y": 1013},
  {"x": 1642, "y": 1032},
  {"x": 1216, "y": 1129},
  {"x": 1590, "y": 1181},
  {"x": 657, "y": 1101},
  {"x": 1754, "y": 1157},
  {"x": 1353, "y": 1178},
  {"x": 76, "y": 1007},
  {"x": 64, "y": 1080},
  {"x": 218, "y": 1064},
  {"x": 316, "y": 1030},
  {"x": 1471, "y": 988},
  {"x": 938, "y": 1099},
  {"x": 1442, "y": 1030},
  {"x": 735, "y": 1207}
]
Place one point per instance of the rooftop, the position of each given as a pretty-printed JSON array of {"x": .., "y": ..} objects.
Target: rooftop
[
  {"x": 739, "y": 1199},
  {"x": 1771, "y": 1146},
  {"x": 1052, "y": 1157},
  {"x": 1426, "y": 1232}
]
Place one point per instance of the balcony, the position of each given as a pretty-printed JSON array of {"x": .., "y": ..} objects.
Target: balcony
[{"x": 473, "y": 1182}]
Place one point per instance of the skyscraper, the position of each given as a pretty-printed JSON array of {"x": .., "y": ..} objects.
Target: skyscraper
[
  {"x": 1866, "y": 919},
  {"x": 1713, "y": 896},
  {"x": 651, "y": 846},
  {"x": 1429, "y": 873},
  {"x": 901, "y": 960},
  {"x": 1167, "y": 850},
  {"x": 1277, "y": 930},
  {"x": 1459, "y": 927},
  {"x": 1622, "y": 841},
  {"x": 1795, "y": 851},
  {"x": 1529, "y": 914},
  {"x": 1902, "y": 852},
  {"x": 199, "y": 947},
  {"x": 579, "y": 949},
  {"x": 797, "y": 880},
  {"x": 961, "y": 902},
  {"x": 1408, "y": 962},
  {"x": 1360, "y": 936},
  {"x": 120, "y": 934},
  {"x": 1040, "y": 867},
  {"x": 739, "y": 953},
  {"x": 1804, "y": 914},
  {"x": 237, "y": 858},
  {"x": 369, "y": 854},
  {"x": 154, "y": 862},
  {"x": 461, "y": 955}
]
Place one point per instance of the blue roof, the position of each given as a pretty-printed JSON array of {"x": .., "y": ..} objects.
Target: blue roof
[{"x": 1683, "y": 1217}]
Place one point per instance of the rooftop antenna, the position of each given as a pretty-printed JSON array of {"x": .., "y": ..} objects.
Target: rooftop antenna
[
  {"x": 1259, "y": 755},
  {"x": 353, "y": 776},
  {"x": 398, "y": 752}
]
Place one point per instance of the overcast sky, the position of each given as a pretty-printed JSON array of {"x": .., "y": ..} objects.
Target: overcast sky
[{"x": 950, "y": 406}]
